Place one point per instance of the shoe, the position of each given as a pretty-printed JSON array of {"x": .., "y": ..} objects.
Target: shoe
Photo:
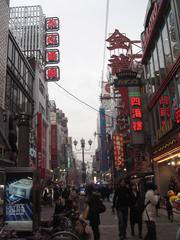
[
  {"x": 140, "y": 236},
  {"x": 132, "y": 233}
]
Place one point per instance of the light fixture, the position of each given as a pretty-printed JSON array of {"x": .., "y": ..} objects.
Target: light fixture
[{"x": 173, "y": 163}]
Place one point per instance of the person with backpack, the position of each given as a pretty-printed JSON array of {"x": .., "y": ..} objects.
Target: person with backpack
[
  {"x": 149, "y": 214},
  {"x": 121, "y": 203}
]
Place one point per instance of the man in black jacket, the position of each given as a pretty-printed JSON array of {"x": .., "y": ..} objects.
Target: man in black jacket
[{"x": 121, "y": 203}]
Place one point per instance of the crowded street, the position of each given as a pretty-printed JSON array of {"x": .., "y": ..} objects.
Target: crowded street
[{"x": 109, "y": 224}]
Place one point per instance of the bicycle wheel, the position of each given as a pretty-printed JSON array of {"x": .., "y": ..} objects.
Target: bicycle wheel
[{"x": 63, "y": 235}]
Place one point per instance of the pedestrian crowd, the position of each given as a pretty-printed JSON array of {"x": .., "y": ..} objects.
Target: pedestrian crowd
[{"x": 127, "y": 201}]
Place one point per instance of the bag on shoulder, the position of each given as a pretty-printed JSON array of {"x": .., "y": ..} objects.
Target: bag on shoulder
[
  {"x": 101, "y": 207},
  {"x": 85, "y": 213}
]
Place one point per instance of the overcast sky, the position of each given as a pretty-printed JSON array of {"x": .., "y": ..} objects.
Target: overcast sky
[{"x": 82, "y": 24}]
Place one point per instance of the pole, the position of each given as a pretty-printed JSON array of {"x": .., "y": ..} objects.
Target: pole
[{"x": 83, "y": 167}]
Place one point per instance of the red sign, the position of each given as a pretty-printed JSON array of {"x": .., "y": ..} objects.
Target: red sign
[
  {"x": 164, "y": 109},
  {"x": 118, "y": 143},
  {"x": 52, "y": 73},
  {"x": 178, "y": 115},
  {"x": 52, "y": 40},
  {"x": 52, "y": 24},
  {"x": 136, "y": 112},
  {"x": 118, "y": 40},
  {"x": 52, "y": 56}
]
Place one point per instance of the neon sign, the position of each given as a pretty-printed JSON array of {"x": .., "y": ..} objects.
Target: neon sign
[
  {"x": 118, "y": 142},
  {"x": 52, "y": 73},
  {"x": 52, "y": 24},
  {"x": 178, "y": 115},
  {"x": 52, "y": 40},
  {"x": 52, "y": 56},
  {"x": 136, "y": 114}
]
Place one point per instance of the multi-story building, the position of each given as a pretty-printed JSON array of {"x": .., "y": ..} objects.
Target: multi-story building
[
  {"x": 4, "y": 20},
  {"x": 59, "y": 138},
  {"x": 161, "y": 60},
  {"x": 27, "y": 24}
]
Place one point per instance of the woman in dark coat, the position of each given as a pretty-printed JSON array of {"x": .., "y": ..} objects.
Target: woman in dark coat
[
  {"x": 95, "y": 208},
  {"x": 136, "y": 205}
]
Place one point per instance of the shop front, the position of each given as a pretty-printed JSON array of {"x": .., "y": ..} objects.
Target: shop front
[{"x": 166, "y": 159}]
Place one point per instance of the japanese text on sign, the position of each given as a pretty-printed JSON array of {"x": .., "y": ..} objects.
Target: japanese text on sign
[
  {"x": 118, "y": 150},
  {"x": 137, "y": 124}
]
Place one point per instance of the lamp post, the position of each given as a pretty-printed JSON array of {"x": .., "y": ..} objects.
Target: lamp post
[{"x": 75, "y": 142}]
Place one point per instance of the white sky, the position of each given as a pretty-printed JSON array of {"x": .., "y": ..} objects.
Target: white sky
[{"x": 82, "y": 24}]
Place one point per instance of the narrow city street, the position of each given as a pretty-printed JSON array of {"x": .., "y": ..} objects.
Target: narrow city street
[{"x": 109, "y": 225}]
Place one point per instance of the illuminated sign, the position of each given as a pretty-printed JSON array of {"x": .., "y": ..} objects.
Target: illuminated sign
[
  {"x": 52, "y": 24},
  {"x": 52, "y": 40},
  {"x": 178, "y": 116},
  {"x": 52, "y": 73},
  {"x": 118, "y": 143},
  {"x": 136, "y": 114},
  {"x": 52, "y": 56}
]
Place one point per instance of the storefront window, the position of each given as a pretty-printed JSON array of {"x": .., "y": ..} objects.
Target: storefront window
[
  {"x": 156, "y": 67},
  {"x": 167, "y": 50},
  {"x": 161, "y": 57},
  {"x": 171, "y": 19}
]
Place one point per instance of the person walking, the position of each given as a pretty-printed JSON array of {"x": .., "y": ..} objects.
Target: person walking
[
  {"x": 136, "y": 205},
  {"x": 121, "y": 203},
  {"x": 149, "y": 214},
  {"x": 95, "y": 208}
]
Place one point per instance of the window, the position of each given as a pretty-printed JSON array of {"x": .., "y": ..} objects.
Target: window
[
  {"x": 173, "y": 98},
  {"x": 156, "y": 67},
  {"x": 167, "y": 50},
  {"x": 174, "y": 41},
  {"x": 161, "y": 57},
  {"x": 152, "y": 79}
]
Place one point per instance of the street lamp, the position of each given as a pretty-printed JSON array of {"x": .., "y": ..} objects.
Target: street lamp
[{"x": 83, "y": 143}]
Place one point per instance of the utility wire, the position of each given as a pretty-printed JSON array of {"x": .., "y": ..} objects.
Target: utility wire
[{"x": 79, "y": 100}]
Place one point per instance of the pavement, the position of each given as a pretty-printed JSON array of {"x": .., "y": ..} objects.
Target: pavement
[{"x": 109, "y": 224}]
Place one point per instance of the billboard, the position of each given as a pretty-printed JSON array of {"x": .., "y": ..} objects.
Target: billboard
[{"x": 19, "y": 201}]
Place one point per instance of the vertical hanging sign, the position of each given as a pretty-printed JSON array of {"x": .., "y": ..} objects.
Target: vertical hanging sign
[{"x": 52, "y": 71}]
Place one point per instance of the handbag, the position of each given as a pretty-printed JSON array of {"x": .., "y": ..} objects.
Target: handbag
[{"x": 85, "y": 213}]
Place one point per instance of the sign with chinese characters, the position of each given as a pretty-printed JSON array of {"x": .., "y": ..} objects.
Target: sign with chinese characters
[
  {"x": 164, "y": 109},
  {"x": 52, "y": 56},
  {"x": 52, "y": 73},
  {"x": 118, "y": 143},
  {"x": 178, "y": 115},
  {"x": 136, "y": 114},
  {"x": 52, "y": 39},
  {"x": 52, "y": 24}
]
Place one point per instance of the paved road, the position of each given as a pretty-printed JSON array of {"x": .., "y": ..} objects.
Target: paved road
[{"x": 109, "y": 230}]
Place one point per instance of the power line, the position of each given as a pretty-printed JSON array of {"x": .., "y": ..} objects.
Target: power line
[{"x": 79, "y": 100}]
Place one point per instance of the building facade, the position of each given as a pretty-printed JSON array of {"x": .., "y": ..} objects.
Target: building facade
[
  {"x": 161, "y": 60},
  {"x": 27, "y": 24}
]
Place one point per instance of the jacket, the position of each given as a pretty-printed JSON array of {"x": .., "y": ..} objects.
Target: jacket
[
  {"x": 150, "y": 211},
  {"x": 121, "y": 198}
]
